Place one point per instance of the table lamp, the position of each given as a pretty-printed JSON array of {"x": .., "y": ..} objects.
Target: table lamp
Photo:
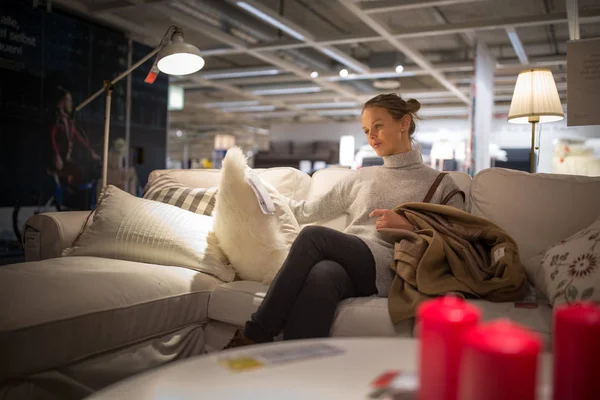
[
  {"x": 175, "y": 57},
  {"x": 535, "y": 100}
]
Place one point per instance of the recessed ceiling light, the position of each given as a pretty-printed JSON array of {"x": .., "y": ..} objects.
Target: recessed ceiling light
[
  {"x": 179, "y": 133},
  {"x": 399, "y": 69},
  {"x": 314, "y": 74},
  {"x": 343, "y": 72}
]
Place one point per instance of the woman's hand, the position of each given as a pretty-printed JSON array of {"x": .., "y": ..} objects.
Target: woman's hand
[{"x": 391, "y": 220}]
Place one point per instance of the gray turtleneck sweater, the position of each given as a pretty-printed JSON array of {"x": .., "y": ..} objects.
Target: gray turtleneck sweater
[{"x": 403, "y": 178}]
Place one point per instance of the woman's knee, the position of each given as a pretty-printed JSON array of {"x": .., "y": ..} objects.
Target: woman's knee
[
  {"x": 327, "y": 275},
  {"x": 312, "y": 232}
]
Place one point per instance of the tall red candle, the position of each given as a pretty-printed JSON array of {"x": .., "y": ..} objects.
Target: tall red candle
[
  {"x": 443, "y": 322},
  {"x": 576, "y": 343},
  {"x": 499, "y": 362}
]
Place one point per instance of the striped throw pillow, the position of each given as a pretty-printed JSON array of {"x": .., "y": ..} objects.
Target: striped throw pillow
[{"x": 166, "y": 189}]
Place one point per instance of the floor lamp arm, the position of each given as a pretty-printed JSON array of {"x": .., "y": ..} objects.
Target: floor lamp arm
[{"x": 107, "y": 89}]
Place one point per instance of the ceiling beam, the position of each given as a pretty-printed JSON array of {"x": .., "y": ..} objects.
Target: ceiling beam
[
  {"x": 118, "y": 5},
  {"x": 517, "y": 45},
  {"x": 585, "y": 16},
  {"x": 303, "y": 35},
  {"x": 410, "y": 52},
  {"x": 273, "y": 59},
  {"x": 573, "y": 18},
  {"x": 384, "y": 6},
  {"x": 382, "y": 73}
]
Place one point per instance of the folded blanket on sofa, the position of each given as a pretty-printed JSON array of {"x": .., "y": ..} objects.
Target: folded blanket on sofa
[{"x": 451, "y": 251}]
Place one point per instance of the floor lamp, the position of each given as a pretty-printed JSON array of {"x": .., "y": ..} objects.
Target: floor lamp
[
  {"x": 535, "y": 100},
  {"x": 175, "y": 57}
]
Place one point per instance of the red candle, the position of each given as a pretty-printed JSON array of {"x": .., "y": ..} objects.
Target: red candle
[
  {"x": 576, "y": 343},
  {"x": 499, "y": 362},
  {"x": 443, "y": 322}
]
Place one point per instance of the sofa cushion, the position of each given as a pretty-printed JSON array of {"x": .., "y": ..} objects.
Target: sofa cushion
[
  {"x": 125, "y": 227},
  {"x": 168, "y": 190},
  {"x": 569, "y": 269},
  {"x": 290, "y": 182},
  {"x": 537, "y": 210},
  {"x": 537, "y": 318},
  {"x": 255, "y": 243},
  {"x": 62, "y": 310},
  {"x": 368, "y": 316},
  {"x": 234, "y": 303}
]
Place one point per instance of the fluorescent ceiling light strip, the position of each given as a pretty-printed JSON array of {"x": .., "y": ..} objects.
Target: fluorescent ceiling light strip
[
  {"x": 517, "y": 45},
  {"x": 292, "y": 90},
  {"x": 338, "y": 112},
  {"x": 342, "y": 59},
  {"x": 224, "y": 104},
  {"x": 248, "y": 109},
  {"x": 274, "y": 114},
  {"x": 318, "y": 106},
  {"x": 374, "y": 75},
  {"x": 270, "y": 20},
  {"x": 240, "y": 74}
]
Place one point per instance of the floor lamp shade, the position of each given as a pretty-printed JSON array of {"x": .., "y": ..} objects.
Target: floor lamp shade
[
  {"x": 535, "y": 98},
  {"x": 179, "y": 58}
]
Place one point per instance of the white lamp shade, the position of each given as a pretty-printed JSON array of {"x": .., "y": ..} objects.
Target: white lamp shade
[
  {"x": 535, "y": 98},
  {"x": 179, "y": 58}
]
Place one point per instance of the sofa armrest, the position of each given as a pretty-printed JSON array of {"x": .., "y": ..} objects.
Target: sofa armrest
[{"x": 47, "y": 235}]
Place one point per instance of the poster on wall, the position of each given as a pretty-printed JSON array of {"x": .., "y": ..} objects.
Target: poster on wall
[
  {"x": 49, "y": 63},
  {"x": 583, "y": 78}
]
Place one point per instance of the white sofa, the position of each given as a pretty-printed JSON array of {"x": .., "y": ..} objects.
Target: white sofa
[{"x": 70, "y": 326}]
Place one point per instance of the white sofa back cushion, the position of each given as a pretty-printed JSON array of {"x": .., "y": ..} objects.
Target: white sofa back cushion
[
  {"x": 537, "y": 210},
  {"x": 125, "y": 227},
  {"x": 290, "y": 182}
]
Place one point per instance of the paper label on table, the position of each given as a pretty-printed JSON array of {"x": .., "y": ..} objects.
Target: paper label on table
[
  {"x": 276, "y": 356},
  {"x": 395, "y": 385}
]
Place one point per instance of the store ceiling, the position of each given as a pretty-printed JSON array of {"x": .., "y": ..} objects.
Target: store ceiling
[{"x": 260, "y": 53}]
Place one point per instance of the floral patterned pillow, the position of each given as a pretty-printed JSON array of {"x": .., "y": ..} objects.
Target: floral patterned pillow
[{"x": 572, "y": 267}]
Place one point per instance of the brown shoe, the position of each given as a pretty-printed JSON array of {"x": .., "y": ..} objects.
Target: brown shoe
[{"x": 239, "y": 340}]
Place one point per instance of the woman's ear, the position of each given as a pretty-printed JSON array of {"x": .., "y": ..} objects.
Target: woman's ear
[{"x": 405, "y": 122}]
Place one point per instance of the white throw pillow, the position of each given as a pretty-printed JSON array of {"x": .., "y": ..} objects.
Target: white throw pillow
[
  {"x": 256, "y": 244},
  {"x": 130, "y": 228},
  {"x": 570, "y": 270}
]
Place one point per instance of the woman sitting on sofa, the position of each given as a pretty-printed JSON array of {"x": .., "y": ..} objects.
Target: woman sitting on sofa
[{"x": 325, "y": 266}]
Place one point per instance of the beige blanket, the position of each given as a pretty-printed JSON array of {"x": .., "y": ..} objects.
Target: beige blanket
[{"x": 451, "y": 251}]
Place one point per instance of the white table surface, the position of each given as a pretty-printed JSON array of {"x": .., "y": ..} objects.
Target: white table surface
[{"x": 344, "y": 376}]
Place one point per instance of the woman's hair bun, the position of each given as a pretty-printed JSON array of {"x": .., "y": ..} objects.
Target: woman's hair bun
[{"x": 413, "y": 105}]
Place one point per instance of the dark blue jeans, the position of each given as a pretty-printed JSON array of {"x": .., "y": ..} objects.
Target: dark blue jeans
[{"x": 323, "y": 267}]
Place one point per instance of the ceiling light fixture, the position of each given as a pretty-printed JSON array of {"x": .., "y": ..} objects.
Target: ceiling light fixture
[
  {"x": 340, "y": 57},
  {"x": 343, "y": 72},
  {"x": 292, "y": 90},
  {"x": 320, "y": 106},
  {"x": 248, "y": 109},
  {"x": 240, "y": 73},
  {"x": 225, "y": 104},
  {"x": 270, "y": 20},
  {"x": 399, "y": 68},
  {"x": 314, "y": 74}
]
